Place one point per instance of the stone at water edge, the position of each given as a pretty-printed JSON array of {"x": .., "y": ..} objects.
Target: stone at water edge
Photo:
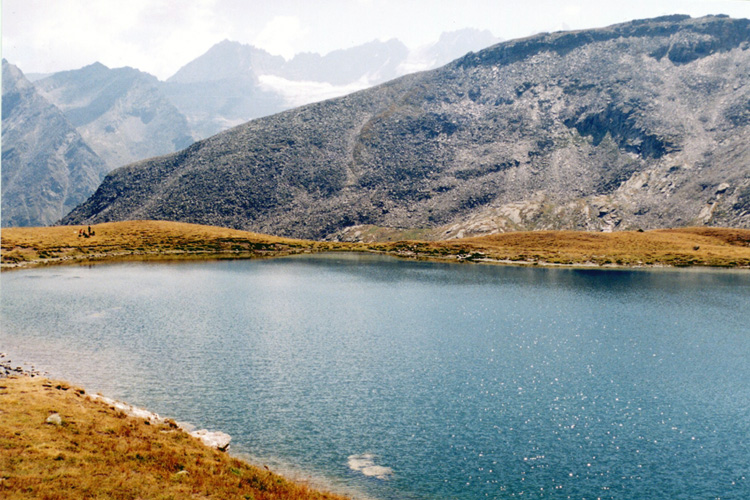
[{"x": 214, "y": 439}]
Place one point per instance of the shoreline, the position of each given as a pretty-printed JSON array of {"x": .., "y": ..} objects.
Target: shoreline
[
  {"x": 215, "y": 443},
  {"x": 8, "y": 370},
  {"x": 161, "y": 241},
  {"x": 477, "y": 260},
  {"x": 213, "y": 439},
  {"x": 177, "y": 258}
]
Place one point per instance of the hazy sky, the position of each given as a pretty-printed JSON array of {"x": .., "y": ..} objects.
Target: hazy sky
[{"x": 160, "y": 36}]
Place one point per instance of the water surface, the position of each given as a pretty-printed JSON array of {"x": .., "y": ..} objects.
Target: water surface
[{"x": 404, "y": 380}]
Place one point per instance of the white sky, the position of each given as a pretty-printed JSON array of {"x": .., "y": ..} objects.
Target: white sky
[{"x": 160, "y": 36}]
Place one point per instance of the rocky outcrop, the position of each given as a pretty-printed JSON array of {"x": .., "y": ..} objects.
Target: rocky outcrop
[
  {"x": 639, "y": 125},
  {"x": 47, "y": 167},
  {"x": 10, "y": 369}
]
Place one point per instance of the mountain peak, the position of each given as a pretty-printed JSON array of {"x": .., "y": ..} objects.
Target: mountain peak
[
  {"x": 95, "y": 68},
  {"x": 227, "y": 60},
  {"x": 13, "y": 79},
  {"x": 120, "y": 111}
]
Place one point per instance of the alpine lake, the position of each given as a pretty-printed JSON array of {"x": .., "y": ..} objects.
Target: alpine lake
[{"x": 389, "y": 379}]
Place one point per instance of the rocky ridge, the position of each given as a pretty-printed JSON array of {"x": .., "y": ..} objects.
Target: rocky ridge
[{"x": 638, "y": 125}]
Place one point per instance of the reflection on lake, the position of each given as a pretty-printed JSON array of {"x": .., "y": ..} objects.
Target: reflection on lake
[{"x": 404, "y": 380}]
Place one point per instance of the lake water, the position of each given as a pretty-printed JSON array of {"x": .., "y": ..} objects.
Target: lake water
[{"x": 404, "y": 380}]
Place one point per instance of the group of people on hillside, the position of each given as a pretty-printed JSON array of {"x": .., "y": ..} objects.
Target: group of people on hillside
[{"x": 85, "y": 233}]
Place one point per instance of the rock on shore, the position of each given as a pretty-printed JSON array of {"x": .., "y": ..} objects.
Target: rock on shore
[{"x": 7, "y": 369}]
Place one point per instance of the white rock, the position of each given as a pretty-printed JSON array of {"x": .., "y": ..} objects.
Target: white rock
[
  {"x": 54, "y": 419},
  {"x": 213, "y": 439},
  {"x": 130, "y": 410}
]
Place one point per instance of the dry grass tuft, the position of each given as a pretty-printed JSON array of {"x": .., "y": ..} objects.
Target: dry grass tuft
[{"x": 97, "y": 452}]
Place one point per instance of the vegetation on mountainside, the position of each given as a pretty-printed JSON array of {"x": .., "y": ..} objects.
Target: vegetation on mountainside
[
  {"x": 162, "y": 240},
  {"x": 95, "y": 451}
]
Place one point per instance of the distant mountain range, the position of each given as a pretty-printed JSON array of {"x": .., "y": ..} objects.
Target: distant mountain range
[
  {"x": 639, "y": 125},
  {"x": 233, "y": 83},
  {"x": 121, "y": 113},
  {"x": 124, "y": 115}
]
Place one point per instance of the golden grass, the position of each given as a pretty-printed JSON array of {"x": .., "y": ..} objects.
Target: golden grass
[
  {"x": 722, "y": 247},
  {"x": 161, "y": 240},
  {"x": 142, "y": 240},
  {"x": 100, "y": 453}
]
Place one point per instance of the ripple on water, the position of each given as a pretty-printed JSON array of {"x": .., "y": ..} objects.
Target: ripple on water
[{"x": 410, "y": 381}]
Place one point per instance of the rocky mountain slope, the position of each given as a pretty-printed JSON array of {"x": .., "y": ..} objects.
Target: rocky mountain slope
[
  {"x": 119, "y": 112},
  {"x": 125, "y": 115},
  {"x": 47, "y": 168},
  {"x": 638, "y": 125}
]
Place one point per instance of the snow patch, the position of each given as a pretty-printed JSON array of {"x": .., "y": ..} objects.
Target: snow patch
[{"x": 297, "y": 93}]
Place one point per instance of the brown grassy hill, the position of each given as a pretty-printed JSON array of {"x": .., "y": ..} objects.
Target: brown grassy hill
[
  {"x": 97, "y": 452},
  {"x": 721, "y": 247},
  {"x": 142, "y": 240},
  {"x": 162, "y": 240}
]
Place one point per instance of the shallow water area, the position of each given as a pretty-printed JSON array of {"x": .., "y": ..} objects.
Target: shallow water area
[{"x": 417, "y": 380}]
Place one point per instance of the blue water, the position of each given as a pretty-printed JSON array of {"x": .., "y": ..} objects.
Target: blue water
[{"x": 400, "y": 380}]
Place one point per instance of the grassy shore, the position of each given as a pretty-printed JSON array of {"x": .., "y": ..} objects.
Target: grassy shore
[
  {"x": 161, "y": 240},
  {"x": 142, "y": 240},
  {"x": 95, "y": 451},
  {"x": 717, "y": 247}
]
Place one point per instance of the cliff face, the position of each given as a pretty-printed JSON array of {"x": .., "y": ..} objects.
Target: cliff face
[
  {"x": 47, "y": 168},
  {"x": 639, "y": 125}
]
